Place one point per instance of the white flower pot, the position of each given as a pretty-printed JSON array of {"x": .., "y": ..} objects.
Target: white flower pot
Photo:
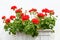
[{"x": 43, "y": 35}]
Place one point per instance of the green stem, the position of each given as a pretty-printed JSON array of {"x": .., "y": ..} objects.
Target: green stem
[{"x": 50, "y": 15}]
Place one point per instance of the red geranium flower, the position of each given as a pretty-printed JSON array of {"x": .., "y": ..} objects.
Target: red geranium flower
[
  {"x": 3, "y": 17},
  {"x": 35, "y": 21},
  {"x": 25, "y": 17},
  {"x": 51, "y": 12},
  {"x": 18, "y": 11},
  {"x": 45, "y": 10},
  {"x": 7, "y": 21},
  {"x": 22, "y": 14},
  {"x": 12, "y": 17},
  {"x": 13, "y": 7},
  {"x": 40, "y": 15},
  {"x": 33, "y": 9}
]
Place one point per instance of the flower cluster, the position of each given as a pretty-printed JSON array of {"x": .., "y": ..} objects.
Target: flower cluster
[{"x": 22, "y": 23}]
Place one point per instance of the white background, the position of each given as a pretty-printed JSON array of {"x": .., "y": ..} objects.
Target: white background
[{"x": 26, "y": 5}]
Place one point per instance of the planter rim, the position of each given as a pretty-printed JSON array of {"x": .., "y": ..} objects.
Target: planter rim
[{"x": 46, "y": 30}]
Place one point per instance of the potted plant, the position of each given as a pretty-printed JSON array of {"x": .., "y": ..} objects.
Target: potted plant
[{"x": 42, "y": 23}]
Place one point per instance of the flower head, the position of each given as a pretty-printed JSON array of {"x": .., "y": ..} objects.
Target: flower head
[
  {"x": 33, "y": 9},
  {"x": 3, "y": 17},
  {"x": 13, "y": 7},
  {"x": 45, "y": 10},
  {"x": 18, "y": 11},
  {"x": 40, "y": 15},
  {"x": 25, "y": 17},
  {"x": 51, "y": 12},
  {"x": 12, "y": 17},
  {"x": 7, "y": 21},
  {"x": 22, "y": 14},
  {"x": 35, "y": 21}
]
